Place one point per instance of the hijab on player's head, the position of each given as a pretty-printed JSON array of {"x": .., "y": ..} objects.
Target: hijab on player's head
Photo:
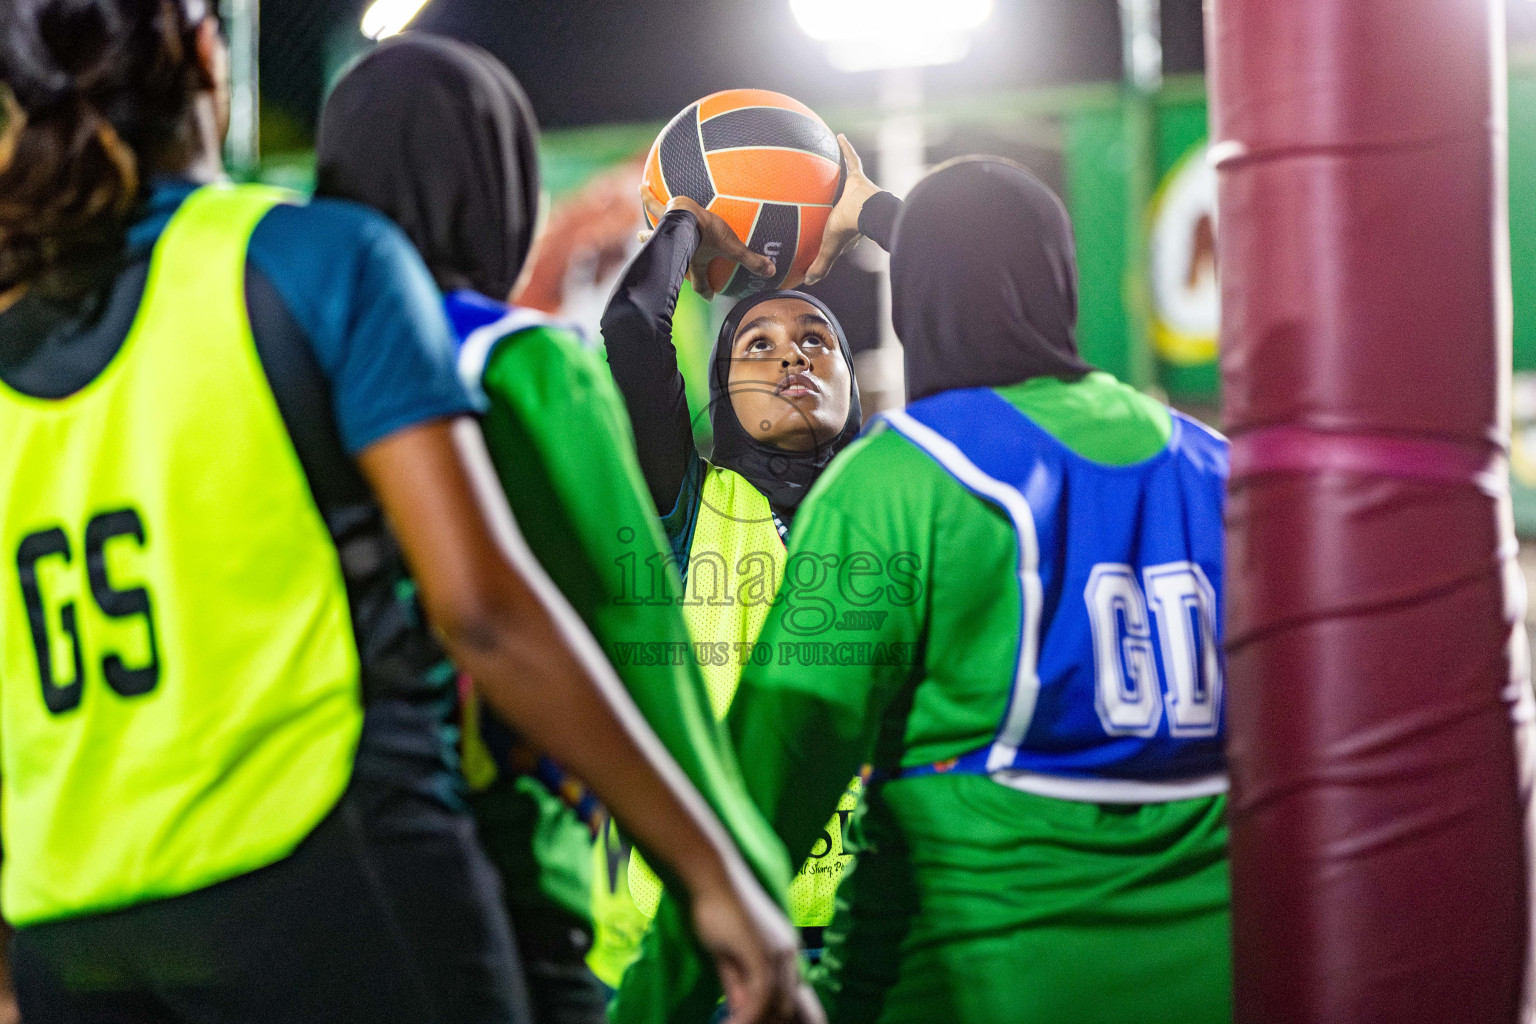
[
  {"x": 984, "y": 279},
  {"x": 438, "y": 135},
  {"x": 783, "y": 475}
]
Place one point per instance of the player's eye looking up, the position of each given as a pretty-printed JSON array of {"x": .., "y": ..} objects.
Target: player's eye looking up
[
  {"x": 762, "y": 336},
  {"x": 776, "y": 335},
  {"x": 758, "y": 345}
]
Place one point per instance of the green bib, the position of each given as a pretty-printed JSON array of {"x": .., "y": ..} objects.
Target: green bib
[
  {"x": 179, "y": 682},
  {"x": 734, "y": 567}
]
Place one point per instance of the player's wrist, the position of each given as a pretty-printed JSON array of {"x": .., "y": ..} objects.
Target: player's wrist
[
  {"x": 860, "y": 191},
  {"x": 877, "y": 217},
  {"x": 682, "y": 204}
]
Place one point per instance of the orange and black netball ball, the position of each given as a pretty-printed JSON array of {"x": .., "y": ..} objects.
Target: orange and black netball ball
[{"x": 766, "y": 164}]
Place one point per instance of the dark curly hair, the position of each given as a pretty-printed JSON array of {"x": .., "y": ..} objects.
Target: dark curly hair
[{"x": 91, "y": 90}]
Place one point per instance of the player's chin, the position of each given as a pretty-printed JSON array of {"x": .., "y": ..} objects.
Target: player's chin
[
  {"x": 796, "y": 433},
  {"x": 825, "y": 426}
]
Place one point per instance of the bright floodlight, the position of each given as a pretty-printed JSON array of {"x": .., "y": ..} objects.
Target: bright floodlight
[
  {"x": 385, "y": 18},
  {"x": 863, "y": 35}
]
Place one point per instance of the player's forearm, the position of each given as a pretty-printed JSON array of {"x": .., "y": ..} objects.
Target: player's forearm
[
  {"x": 637, "y": 334},
  {"x": 877, "y": 219},
  {"x": 540, "y": 670}
]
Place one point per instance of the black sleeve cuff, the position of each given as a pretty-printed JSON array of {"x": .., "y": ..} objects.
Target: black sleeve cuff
[
  {"x": 681, "y": 231},
  {"x": 877, "y": 220}
]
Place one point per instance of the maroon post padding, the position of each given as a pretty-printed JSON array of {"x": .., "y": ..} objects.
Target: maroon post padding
[{"x": 1377, "y": 666}]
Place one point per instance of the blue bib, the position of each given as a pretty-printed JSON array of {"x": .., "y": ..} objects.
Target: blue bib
[{"x": 1117, "y": 694}]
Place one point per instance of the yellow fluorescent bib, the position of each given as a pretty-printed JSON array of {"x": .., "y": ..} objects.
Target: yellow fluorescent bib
[
  {"x": 179, "y": 682},
  {"x": 734, "y": 568}
]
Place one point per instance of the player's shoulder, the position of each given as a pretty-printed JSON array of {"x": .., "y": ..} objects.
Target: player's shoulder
[
  {"x": 519, "y": 340},
  {"x": 1204, "y": 446},
  {"x": 1201, "y": 432},
  {"x": 549, "y": 337},
  {"x": 881, "y": 465},
  {"x": 325, "y": 230},
  {"x": 329, "y": 259}
]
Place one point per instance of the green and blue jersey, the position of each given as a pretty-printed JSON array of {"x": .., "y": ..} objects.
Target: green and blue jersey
[
  {"x": 901, "y": 638},
  {"x": 1117, "y": 691}
]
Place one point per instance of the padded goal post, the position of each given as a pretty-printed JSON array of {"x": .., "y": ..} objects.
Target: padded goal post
[{"x": 1379, "y": 698}]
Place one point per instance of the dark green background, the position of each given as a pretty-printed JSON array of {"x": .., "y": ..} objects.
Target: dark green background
[{"x": 1100, "y": 179}]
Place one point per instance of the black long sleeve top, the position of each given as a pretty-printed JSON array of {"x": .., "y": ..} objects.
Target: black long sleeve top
[{"x": 637, "y": 331}]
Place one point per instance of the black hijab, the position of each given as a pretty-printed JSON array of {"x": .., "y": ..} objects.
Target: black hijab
[
  {"x": 783, "y": 476},
  {"x": 438, "y": 135},
  {"x": 984, "y": 280}
]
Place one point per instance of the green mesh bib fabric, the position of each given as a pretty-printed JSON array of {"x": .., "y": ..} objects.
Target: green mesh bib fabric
[{"x": 734, "y": 568}]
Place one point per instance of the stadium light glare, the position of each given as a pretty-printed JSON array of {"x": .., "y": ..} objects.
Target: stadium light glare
[
  {"x": 868, "y": 35},
  {"x": 385, "y": 18}
]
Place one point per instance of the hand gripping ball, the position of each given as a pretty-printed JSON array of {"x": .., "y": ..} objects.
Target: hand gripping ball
[{"x": 766, "y": 164}]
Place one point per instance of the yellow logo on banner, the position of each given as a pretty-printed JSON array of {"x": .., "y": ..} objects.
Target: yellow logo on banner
[
  {"x": 1522, "y": 449},
  {"x": 1186, "y": 299}
]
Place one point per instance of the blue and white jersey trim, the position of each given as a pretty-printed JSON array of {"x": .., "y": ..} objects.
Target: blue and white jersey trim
[
  {"x": 1111, "y": 791},
  {"x": 476, "y": 348},
  {"x": 480, "y": 323},
  {"x": 1026, "y": 680}
]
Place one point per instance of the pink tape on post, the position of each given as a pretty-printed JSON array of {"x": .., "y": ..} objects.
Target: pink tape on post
[{"x": 1293, "y": 449}]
